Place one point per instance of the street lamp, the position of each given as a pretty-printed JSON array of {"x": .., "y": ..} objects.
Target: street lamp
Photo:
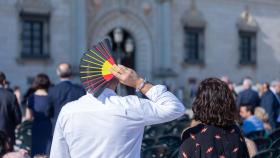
[
  {"x": 129, "y": 46},
  {"x": 124, "y": 47},
  {"x": 118, "y": 38}
]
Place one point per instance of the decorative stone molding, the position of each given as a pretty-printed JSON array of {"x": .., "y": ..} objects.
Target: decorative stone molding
[
  {"x": 34, "y": 6},
  {"x": 246, "y": 21},
  {"x": 147, "y": 8},
  {"x": 164, "y": 73},
  {"x": 97, "y": 3},
  {"x": 135, "y": 27},
  {"x": 193, "y": 17}
]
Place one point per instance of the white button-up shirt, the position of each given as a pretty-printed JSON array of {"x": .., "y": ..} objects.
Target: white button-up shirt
[{"x": 111, "y": 126}]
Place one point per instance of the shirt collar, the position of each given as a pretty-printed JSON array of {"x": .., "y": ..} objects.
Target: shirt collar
[
  {"x": 273, "y": 90},
  {"x": 251, "y": 117},
  {"x": 107, "y": 92},
  {"x": 65, "y": 80}
]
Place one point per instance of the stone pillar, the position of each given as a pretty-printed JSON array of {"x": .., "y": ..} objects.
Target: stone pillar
[
  {"x": 163, "y": 40},
  {"x": 78, "y": 14}
]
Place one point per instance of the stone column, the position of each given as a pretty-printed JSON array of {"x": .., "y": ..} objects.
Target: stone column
[{"x": 78, "y": 14}]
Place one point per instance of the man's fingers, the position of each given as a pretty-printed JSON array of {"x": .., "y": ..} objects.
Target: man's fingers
[
  {"x": 118, "y": 69},
  {"x": 116, "y": 74},
  {"x": 114, "y": 71},
  {"x": 122, "y": 67},
  {"x": 126, "y": 69}
]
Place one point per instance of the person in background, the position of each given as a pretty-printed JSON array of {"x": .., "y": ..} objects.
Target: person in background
[
  {"x": 27, "y": 94},
  {"x": 216, "y": 115},
  {"x": 63, "y": 92},
  {"x": 263, "y": 116},
  {"x": 111, "y": 126},
  {"x": 7, "y": 86},
  {"x": 250, "y": 123},
  {"x": 252, "y": 147},
  {"x": 5, "y": 149},
  {"x": 4, "y": 144},
  {"x": 262, "y": 88},
  {"x": 37, "y": 106},
  {"x": 10, "y": 115},
  {"x": 17, "y": 92},
  {"x": 248, "y": 96},
  {"x": 230, "y": 85},
  {"x": 265, "y": 87},
  {"x": 271, "y": 103}
]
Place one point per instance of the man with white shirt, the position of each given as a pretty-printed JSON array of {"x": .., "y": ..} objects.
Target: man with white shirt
[{"x": 112, "y": 126}]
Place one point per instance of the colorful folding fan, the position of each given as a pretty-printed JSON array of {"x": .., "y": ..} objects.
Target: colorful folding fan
[{"x": 94, "y": 67}]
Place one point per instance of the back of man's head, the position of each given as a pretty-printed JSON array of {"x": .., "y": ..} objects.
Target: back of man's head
[
  {"x": 2, "y": 78},
  {"x": 64, "y": 70},
  {"x": 247, "y": 83},
  {"x": 275, "y": 84}
]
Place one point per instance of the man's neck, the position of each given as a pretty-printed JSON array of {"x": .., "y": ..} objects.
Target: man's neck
[{"x": 64, "y": 79}]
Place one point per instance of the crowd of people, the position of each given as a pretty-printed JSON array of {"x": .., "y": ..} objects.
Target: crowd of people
[
  {"x": 223, "y": 116},
  {"x": 41, "y": 105}
]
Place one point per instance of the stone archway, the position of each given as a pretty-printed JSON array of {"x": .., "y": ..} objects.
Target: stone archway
[{"x": 136, "y": 27}]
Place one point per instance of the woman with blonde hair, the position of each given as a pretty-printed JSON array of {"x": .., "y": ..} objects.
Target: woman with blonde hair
[{"x": 262, "y": 115}]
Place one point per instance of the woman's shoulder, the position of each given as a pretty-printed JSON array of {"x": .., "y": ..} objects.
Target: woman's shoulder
[
  {"x": 191, "y": 131},
  {"x": 204, "y": 128}
]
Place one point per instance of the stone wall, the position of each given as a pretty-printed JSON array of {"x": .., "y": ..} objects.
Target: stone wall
[{"x": 157, "y": 28}]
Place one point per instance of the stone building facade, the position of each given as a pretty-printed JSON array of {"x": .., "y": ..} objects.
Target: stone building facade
[{"x": 173, "y": 40}]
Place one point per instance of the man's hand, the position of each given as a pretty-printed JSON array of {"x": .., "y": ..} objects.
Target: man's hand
[
  {"x": 126, "y": 76},
  {"x": 130, "y": 78}
]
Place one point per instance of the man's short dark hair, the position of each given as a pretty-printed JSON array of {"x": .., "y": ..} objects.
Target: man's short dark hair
[
  {"x": 249, "y": 108},
  {"x": 2, "y": 78}
]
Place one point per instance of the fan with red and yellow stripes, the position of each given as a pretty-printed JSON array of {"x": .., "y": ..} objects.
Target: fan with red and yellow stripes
[{"x": 94, "y": 67}]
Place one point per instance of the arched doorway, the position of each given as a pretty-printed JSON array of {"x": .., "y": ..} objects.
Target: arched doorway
[
  {"x": 102, "y": 26},
  {"x": 123, "y": 45}
]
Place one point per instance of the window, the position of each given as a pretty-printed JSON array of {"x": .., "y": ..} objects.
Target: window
[
  {"x": 247, "y": 47},
  {"x": 34, "y": 36},
  {"x": 194, "y": 45}
]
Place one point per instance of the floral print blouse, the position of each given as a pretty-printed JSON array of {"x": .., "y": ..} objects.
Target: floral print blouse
[{"x": 208, "y": 141}]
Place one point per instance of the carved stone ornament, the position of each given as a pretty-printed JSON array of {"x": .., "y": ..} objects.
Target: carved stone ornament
[
  {"x": 193, "y": 17},
  {"x": 34, "y": 6},
  {"x": 247, "y": 22},
  {"x": 147, "y": 8}
]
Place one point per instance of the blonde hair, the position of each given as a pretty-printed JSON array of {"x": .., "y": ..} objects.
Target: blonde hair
[{"x": 261, "y": 114}]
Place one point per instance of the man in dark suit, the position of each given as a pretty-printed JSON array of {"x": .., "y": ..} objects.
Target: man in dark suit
[
  {"x": 271, "y": 103},
  {"x": 248, "y": 96},
  {"x": 10, "y": 115},
  {"x": 63, "y": 92}
]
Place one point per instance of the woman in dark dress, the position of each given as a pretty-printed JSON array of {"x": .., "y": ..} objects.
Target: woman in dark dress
[
  {"x": 37, "y": 109},
  {"x": 216, "y": 135}
]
